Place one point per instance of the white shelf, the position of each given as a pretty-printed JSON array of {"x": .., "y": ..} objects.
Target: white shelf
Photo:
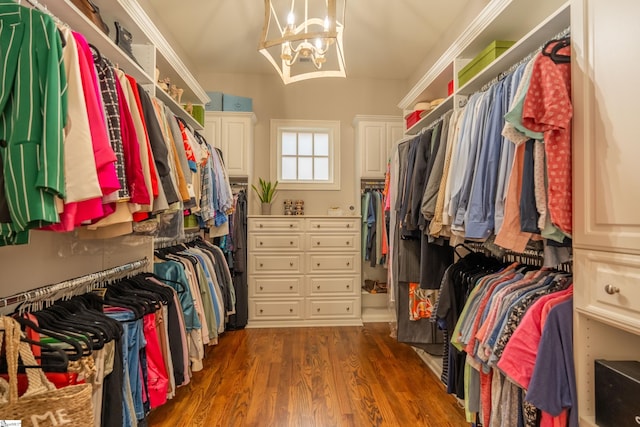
[
  {"x": 77, "y": 21},
  {"x": 433, "y": 362},
  {"x": 177, "y": 109},
  {"x": 434, "y": 115},
  {"x": 553, "y": 25},
  {"x": 377, "y": 314}
]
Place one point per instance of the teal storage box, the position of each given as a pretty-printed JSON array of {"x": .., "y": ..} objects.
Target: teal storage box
[
  {"x": 482, "y": 60},
  {"x": 216, "y": 101},
  {"x": 236, "y": 103}
]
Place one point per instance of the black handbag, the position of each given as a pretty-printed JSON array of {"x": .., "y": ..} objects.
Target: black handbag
[{"x": 124, "y": 40}]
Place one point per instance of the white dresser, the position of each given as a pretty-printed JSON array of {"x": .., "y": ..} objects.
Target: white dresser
[{"x": 304, "y": 271}]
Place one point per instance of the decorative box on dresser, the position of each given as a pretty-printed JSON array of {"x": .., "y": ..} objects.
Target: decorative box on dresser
[
  {"x": 606, "y": 191},
  {"x": 304, "y": 271}
]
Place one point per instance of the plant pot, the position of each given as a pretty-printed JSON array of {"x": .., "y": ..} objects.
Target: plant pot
[{"x": 265, "y": 208}]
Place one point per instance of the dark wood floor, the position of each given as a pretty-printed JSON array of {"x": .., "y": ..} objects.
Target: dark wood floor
[{"x": 320, "y": 377}]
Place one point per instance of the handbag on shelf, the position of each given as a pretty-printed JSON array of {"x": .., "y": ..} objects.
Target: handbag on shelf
[
  {"x": 124, "y": 39},
  {"x": 91, "y": 11},
  {"x": 42, "y": 403}
]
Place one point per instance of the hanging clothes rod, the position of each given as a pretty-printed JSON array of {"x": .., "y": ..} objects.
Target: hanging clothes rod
[
  {"x": 167, "y": 242},
  {"x": 71, "y": 284}
]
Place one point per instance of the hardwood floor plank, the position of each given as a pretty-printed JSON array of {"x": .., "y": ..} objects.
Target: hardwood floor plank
[{"x": 318, "y": 377}]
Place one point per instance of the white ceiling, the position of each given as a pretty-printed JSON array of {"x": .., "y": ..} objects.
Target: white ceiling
[{"x": 383, "y": 39}]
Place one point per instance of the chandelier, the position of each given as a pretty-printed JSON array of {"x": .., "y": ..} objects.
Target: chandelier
[{"x": 303, "y": 39}]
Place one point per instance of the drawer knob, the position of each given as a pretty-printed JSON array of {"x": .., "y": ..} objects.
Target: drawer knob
[
  {"x": 318, "y": 243},
  {"x": 318, "y": 310},
  {"x": 291, "y": 310},
  {"x": 318, "y": 226},
  {"x": 290, "y": 264},
  {"x": 291, "y": 287},
  {"x": 348, "y": 264},
  {"x": 260, "y": 226},
  {"x": 261, "y": 288},
  {"x": 290, "y": 225},
  {"x": 348, "y": 286},
  {"x": 347, "y": 243},
  {"x": 261, "y": 310},
  {"x": 261, "y": 265},
  {"x": 291, "y": 243},
  {"x": 318, "y": 264},
  {"x": 611, "y": 290},
  {"x": 318, "y": 286},
  {"x": 348, "y": 308},
  {"x": 348, "y": 225},
  {"x": 260, "y": 243}
]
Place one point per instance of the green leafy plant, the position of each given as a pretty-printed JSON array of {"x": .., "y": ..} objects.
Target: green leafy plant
[{"x": 267, "y": 190}]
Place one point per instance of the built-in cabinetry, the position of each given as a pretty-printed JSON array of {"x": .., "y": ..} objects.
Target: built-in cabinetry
[
  {"x": 60, "y": 256},
  {"x": 375, "y": 136},
  {"x": 232, "y": 132},
  {"x": 375, "y": 139},
  {"x": 606, "y": 191},
  {"x": 150, "y": 49},
  {"x": 303, "y": 271}
]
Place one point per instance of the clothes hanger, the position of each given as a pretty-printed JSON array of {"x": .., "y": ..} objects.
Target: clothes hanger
[{"x": 75, "y": 345}]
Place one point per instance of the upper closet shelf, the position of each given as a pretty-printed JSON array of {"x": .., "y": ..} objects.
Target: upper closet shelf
[
  {"x": 77, "y": 21},
  {"x": 499, "y": 20},
  {"x": 174, "y": 106},
  {"x": 535, "y": 39},
  {"x": 433, "y": 115}
]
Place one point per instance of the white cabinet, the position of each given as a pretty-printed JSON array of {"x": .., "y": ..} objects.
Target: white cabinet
[
  {"x": 375, "y": 136},
  {"x": 606, "y": 191},
  {"x": 304, "y": 271},
  {"x": 232, "y": 132}
]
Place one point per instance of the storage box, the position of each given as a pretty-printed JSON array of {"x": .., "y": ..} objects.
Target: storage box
[
  {"x": 413, "y": 118},
  {"x": 484, "y": 58},
  {"x": 216, "y": 102},
  {"x": 198, "y": 114},
  {"x": 236, "y": 103},
  {"x": 617, "y": 387},
  {"x": 450, "y": 88}
]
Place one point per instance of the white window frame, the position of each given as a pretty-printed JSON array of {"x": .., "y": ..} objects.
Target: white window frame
[{"x": 331, "y": 127}]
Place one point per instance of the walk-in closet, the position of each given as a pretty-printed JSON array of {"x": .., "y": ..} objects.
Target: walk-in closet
[{"x": 319, "y": 213}]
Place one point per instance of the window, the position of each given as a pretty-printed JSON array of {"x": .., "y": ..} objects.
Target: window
[{"x": 305, "y": 154}]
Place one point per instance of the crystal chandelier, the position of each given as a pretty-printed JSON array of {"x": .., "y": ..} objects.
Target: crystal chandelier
[{"x": 309, "y": 44}]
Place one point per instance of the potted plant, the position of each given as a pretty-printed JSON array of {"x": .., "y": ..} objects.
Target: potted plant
[{"x": 266, "y": 193}]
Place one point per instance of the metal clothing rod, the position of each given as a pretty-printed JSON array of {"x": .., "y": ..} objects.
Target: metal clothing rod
[
  {"x": 71, "y": 284},
  {"x": 167, "y": 242}
]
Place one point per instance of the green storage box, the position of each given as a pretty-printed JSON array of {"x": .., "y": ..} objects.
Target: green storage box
[
  {"x": 198, "y": 114},
  {"x": 484, "y": 58}
]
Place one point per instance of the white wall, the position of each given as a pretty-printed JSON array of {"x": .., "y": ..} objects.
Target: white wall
[{"x": 321, "y": 99}]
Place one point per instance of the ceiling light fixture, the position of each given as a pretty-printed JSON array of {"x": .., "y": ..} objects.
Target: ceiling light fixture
[{"x": 310, "y": 43}]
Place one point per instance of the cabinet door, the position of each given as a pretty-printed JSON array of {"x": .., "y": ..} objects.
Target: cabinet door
[
  {"x": 395, "y": 132},
  {"x": 235, "y": 143},
  {"x": 373, "y": 149},
  {"x": 212, "y": 131},
  {"x": 606, "y": 152}
]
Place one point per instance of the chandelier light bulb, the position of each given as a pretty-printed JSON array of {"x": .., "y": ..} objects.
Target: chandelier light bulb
[
  {"x": 291, "y": 19},
  {"x": 326, "y": 23}
]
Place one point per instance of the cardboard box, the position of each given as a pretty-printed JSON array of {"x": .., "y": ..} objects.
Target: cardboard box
[
  {"x": 236, "y": 103},
  {"x": 484, "y": 58},
  {"x": 216, "y": 102}
]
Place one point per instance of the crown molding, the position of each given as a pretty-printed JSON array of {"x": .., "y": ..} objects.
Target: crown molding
[{"x": 133, "y": 8}]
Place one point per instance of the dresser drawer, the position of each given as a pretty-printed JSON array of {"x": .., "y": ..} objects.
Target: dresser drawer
[
  {"x": 280, "y": 242},
  {"x": 334, "y": 263},
  {"x": 332, "y": 308},
  {"x": 275, "y": 224},
  {"x": 323, "y": 285},
  {"x": 318, "y": 242},
  {"x": 276, "y": 310},
  {"x": 289, "y": 286},
  {"x": 289, "y": 263},
  {"x": 607, "y": 286},
  {"x": 341, "y": 224}
]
